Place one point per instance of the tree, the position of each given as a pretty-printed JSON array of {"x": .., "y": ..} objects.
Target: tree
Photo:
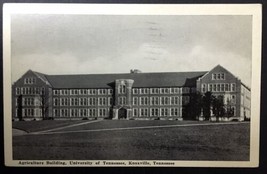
[
  {"x": 218, "y": 107},
  {"x": 229, "y": 110},
  {"x": 206, "y": 104},
  {"x": 44, "y": 102},
  {"x": 192, "y": 109},
  {"x": 19, "y": 107}
]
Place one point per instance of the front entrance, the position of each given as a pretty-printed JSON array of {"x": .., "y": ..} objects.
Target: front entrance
[{"x": 122, "y": 114}]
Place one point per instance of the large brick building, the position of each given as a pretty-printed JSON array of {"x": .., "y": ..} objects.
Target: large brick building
[{"x": 134, "y": 95}]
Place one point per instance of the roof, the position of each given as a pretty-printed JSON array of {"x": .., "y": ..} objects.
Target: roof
[{"x": 165, "y": 79}]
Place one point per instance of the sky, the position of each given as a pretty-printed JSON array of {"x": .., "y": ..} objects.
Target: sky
[{"x": 97, "y": 44}]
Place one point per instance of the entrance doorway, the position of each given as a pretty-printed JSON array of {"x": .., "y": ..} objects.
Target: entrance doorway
[{"x": 122, "y": 114}]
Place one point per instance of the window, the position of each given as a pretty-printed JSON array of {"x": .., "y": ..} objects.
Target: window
[
  {"x": 28, "y": 101},
  {"x": 222, "y": 87},
  {"x": 218, "y": 87},
  {"x": 43, "y": 91},
  {"x": 203, "y": 88},
  {"x": 83, "y": 112},
  {"x": 101, "y": 101},
  {"x": 28, "y": 112},
  {"x": 174, "y": 90},
  {"x": 164, "y": 100},
  {"x": 102, "y": 112},
  {"x": 37, "y": 90},
  {"x": 143, "y": 112},
  {"x": 154, "y": 90},
  {"x": 227, "y": 87},
  {"x": 64, "y": 112},
  {"x": 83, "y": 101},
  {"x": 110, "y": 101},
  {"x": 122, "y": 100},
  {"x": 135, "y": 91},
  {"x": 218, "y": 76},
  {"x": 110, "y": 91},
  {"x": 144, "y": 101},
  {"x": 92, "y": 101},
  {"x": 122, "y": 89},
  {"x": 83, "y": 92},
  {"x": 233, "y": 87},
  {"x": 164, "y": 111},
  {"x": 74, "y": 101},
  {"x": 233, "y": 99},
  {"x": 222, "y": 76},
  {"x": 214, "y": 88},
  {"x": 74, "y": 112},
  {"x": 135, "y": 100},
  {"x": 92, "y": 112},
  {"x": 63, "y": 92},
  {"x": 154, "y": 112},
  {"x": 174, "y": 111},
  {"x": 56, "y": 101},
  {"x": 74, "y": 92},
  {"x": 64, "y": 101},
  {"x": 214, "y": 77},
  {"x": 166, "y": 90},
  {"x": 101, "y": 91},
  {"x": 29, "y": 81},
  {"x": 144, "y": 91},
  {"x": 154, "y": 100},
  {"x": 56, "y": 113},
  {"x": 56, "y": 92},
  {"x": 17, "y": 91},
  {"x": 210, "y": 87},
  {"x": 135, "y": 112},
  {"x": 175, "y": 100}
]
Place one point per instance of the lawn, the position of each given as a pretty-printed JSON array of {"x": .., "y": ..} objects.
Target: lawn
[{"x": 209, "y": 142}]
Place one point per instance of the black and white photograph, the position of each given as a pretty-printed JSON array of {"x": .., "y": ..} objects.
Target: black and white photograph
[{"x": 132, "y": 85}]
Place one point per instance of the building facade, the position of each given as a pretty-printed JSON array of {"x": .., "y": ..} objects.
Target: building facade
[{"x": 134, "y": 95}]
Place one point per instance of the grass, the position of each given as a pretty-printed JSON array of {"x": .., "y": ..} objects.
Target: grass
[{"x": 215, "y": 142}]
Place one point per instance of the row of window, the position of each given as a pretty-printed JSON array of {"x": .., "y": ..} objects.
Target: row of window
[
  {"x": 30, "y": 112},
  {"x": 30, "y": 81},
  {"x": 82, "y": 91},
  {"x": 160, "y": 90},
  {"x": 30, "y": 91},
  {"x": 218, "y": 87},
  {"x": 103, "y": 101},
  {"x": 102, "y": 112},
  {"x": 30, "y": 101},
  {"x": 164, "y": 100},
  {"x": 218, "y": 76},
  {"x": 83, "y": 101},
  {"x": 144, "y": 112}
]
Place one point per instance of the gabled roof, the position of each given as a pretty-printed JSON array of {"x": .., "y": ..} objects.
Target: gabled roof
[
  {"x": 42, "y": 77},
  {"x": 165, "y": 79}
]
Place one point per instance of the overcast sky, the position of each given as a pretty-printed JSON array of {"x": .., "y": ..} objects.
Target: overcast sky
[{"x": 85, "y": 44}]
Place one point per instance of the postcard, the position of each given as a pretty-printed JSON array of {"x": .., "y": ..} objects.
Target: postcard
[{"x": 131, "y": 85}]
